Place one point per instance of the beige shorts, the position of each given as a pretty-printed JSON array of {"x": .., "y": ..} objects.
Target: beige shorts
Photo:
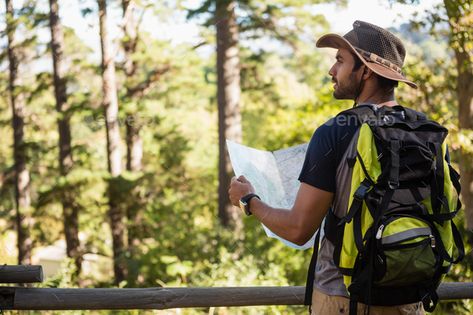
[{"x": 323, "y": 304}]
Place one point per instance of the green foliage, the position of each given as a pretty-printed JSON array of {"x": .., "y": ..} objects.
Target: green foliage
[
  {"x": 286, "y": 95},
  {"x": 64, "y": 278},
  {"x": 287, "y": 22}
]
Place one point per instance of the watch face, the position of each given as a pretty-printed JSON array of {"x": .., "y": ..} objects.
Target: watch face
[{"x": 243, "y": 206}]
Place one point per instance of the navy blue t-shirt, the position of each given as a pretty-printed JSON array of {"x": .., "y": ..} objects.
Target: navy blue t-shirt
[{"x": 326, "y": 148}]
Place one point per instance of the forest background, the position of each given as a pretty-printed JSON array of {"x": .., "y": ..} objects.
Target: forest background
[{"x": 116, "y": 152}]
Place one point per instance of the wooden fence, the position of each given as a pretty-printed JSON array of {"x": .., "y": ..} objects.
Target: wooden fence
[
  {"x": 20, "y": 298},
  {"x": 166, "y": 298}
]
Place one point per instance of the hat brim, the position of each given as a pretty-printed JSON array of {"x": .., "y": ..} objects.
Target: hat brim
[{"x": 336, "y": 41}]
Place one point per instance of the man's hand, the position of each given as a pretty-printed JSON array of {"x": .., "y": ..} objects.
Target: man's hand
[
  {"x": 239, "y": 187},
  {"x": 296, "y": 225}
]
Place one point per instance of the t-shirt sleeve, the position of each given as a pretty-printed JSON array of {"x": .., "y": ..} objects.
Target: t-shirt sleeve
[{"x": 324, "y": 153}]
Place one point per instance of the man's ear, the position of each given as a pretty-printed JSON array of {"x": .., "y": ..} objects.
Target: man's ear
[{"x": 367, "y": 73}]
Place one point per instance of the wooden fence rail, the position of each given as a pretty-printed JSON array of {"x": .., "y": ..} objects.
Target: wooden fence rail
[
  {"x": 21, "y": 274},
  {"x": 166, "y": 298}
]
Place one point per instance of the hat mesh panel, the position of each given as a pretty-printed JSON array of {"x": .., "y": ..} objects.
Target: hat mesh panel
[{"x": 377, "y": 40}]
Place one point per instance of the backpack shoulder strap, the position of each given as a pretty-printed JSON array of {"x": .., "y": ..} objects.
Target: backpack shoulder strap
[
  {"x": 309, "y": 287},
  {"x": 363, "y": 112},
  {"x": 411, "y": 114}
]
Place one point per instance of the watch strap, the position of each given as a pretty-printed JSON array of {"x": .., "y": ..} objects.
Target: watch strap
[{"x": 246, "y": 199}]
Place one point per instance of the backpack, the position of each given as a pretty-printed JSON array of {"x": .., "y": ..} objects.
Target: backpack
[{"x": 397, "y": 239}]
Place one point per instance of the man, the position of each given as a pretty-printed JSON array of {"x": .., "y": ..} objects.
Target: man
[{"x": 368, "y": 67}]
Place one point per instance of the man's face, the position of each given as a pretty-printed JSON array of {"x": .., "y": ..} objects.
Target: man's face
[{"x": 346, "y": 81}]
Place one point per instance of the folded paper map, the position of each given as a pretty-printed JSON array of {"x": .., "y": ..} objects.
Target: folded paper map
[{"x": 273, "y": 175}]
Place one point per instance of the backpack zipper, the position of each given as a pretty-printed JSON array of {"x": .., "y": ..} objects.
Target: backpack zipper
[
  {"x": 432, "y": 241},
  {"x": 379, "y": 233}
]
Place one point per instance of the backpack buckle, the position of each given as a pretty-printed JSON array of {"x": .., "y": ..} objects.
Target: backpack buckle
[
  {"x": 388, "y": 120},
  {"x": 358, "y": 198},
  {"x": 393, "y": 185},
  {"x": 360, "y": 193},
  {"x": 427, "y": 302}
]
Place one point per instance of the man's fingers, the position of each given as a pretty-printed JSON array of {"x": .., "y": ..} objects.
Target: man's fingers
[{"x": 242, "y": 179}]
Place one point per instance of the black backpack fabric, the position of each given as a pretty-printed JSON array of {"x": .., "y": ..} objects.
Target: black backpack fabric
[{"x": 399, "y": 223}]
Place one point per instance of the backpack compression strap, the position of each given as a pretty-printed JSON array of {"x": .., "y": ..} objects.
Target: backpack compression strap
[
  {"x": 309, "y": 287},
  {"x": 439, "y": 201},
  {"x": 363, "y": 277}
]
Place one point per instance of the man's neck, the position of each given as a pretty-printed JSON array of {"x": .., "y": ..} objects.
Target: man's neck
[
  {"x": 378, "y": 100},
  {"x": 372, "y": 94},
  {"x": 388, "y": 103}
]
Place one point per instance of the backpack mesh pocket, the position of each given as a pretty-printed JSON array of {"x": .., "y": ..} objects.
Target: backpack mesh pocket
[{"x": 405, "y": 256}]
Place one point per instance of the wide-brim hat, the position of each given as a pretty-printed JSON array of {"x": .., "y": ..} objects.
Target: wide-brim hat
[{"x": 377, "y": 48}]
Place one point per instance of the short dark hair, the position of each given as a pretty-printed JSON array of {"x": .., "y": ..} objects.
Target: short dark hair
[
  {"x": 358, "y": 63},
  {"x": 386, "y": 84}
]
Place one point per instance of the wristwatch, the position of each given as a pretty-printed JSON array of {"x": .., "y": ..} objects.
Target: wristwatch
[{"x": 245, "y": 203}]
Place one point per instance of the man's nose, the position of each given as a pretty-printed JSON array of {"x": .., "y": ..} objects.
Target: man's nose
[{"x": 332, "y": 71}]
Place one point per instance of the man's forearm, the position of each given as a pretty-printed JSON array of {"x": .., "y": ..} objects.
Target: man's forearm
[
  {"x": 297, "y": 224},
  {"x": 279, "y": 221}
]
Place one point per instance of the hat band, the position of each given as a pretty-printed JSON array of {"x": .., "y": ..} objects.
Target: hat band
[{"x": 379, "y": 60}]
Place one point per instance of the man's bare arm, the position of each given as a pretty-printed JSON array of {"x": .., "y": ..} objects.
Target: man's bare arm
[{"x": 297, "y": 225}]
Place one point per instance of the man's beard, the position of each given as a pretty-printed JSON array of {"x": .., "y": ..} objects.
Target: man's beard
[{"x": 349, "y": 90}]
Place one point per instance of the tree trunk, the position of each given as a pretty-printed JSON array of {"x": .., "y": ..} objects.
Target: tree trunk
[
  {"x": 460, "y": 35},
  {"x": 133, "y": 139},
  {"x": 465, "y": 102},
  {"x": 70, "y": 210},
  {"x": 110, "y": 105},
  {"x": 134, "y": 143},
  {"x": 131, "y": 37},
  {"x": 228, "y": 96},
  {"x": 24, "y": 220}
]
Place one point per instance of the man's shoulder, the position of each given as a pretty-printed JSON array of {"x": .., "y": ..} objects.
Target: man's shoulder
[
  {"x": 340, "y": 125},
  {"x": 343, "y": 121},
  {"x": 335, "y": 133}
]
